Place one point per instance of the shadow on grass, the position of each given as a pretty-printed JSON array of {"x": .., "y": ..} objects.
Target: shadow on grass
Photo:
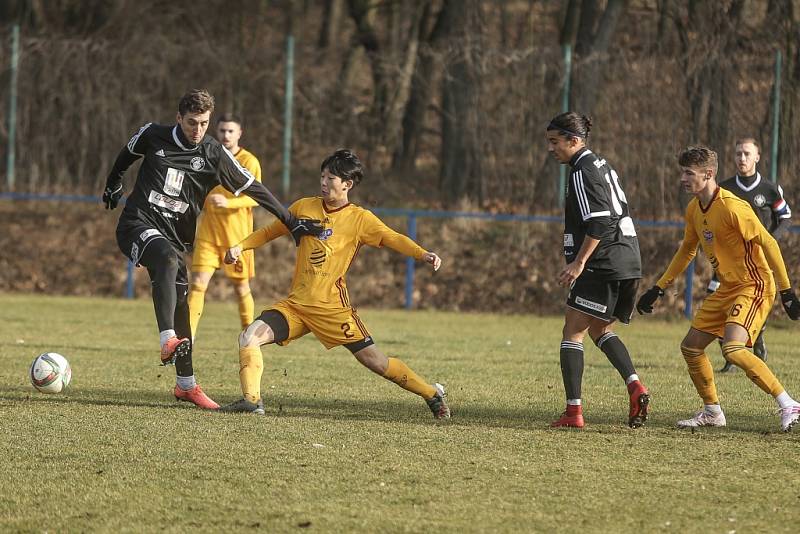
[{"x": 144, "y": 399}]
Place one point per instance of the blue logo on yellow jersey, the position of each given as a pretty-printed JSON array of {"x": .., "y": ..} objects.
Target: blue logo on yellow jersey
[
  {"x": 708, "y": 235},
  {"x": 325, "y": 234}
]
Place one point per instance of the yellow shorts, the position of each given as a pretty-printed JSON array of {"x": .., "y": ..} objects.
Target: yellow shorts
[
  {"x": 333, "y": 327},
  {"x": 208, "y": 257},
  {"x": 741, "y": 305}
]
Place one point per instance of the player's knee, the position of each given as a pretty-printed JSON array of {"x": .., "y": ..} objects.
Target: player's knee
[
  {"x": 199, "y": 287},
  {"x": 735, "y": 352},
  {"x": 256, "y": 334},
  {"x": 689, "y": 352}
]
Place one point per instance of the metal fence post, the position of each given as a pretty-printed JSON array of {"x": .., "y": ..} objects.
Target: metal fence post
[
  {"x": 287, "y": 115},
  {"x": 12, "y": 109},
  {"x": 412, "y": 233},
  {"x": 129, "y": 281}
]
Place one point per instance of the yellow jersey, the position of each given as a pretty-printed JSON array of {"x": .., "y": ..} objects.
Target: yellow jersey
[
  {"x": 740, "y": 249},
  {"x": 227, "y": 226},
  {"x": 322, "y": 262}
]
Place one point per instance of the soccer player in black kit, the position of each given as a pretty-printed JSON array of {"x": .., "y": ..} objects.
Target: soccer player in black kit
[
  {"x": 603, "y": 267},
  {"x": 157, "y": 226},
  {"x": 766, "y": 199}
]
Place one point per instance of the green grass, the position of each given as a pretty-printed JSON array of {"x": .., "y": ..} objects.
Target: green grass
[{"x": 341, "y": 449}]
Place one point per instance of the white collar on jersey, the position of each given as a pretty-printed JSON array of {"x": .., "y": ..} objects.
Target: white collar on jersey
[
  {"x": 178, "y": 141},
  {"x": 587, "y": 151},
  {"x": 751, "y": 186}
]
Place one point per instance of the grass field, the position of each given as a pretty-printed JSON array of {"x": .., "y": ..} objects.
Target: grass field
[{"x": 341, "y": 449}]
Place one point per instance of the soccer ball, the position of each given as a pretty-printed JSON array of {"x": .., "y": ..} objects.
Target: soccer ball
[{"x": 50, "y": 372}]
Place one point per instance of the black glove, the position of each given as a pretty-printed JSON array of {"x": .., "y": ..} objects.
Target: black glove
[
  {"x": 111, "y": 197},
  {"x": 301, "y": 227},
  {"x": 790, "y": 304},
  {"x": 646, "y": 301}
]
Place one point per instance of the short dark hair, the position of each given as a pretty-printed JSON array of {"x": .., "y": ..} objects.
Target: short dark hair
[
  {"x": 570, "y": 124},
  {"x": 743, "y": 140},
  {"x": 698, "y": 156},
  {"x": 229, "y": 117},
  {"x": 196, "y": 101},
  {"x": 345, "y": 164}
]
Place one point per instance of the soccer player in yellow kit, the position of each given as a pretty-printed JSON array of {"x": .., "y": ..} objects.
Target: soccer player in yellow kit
[
  {"x": 749, "y": 265},
  {"x": 225, "y": 221},
  {"x": 318, "y": 301}
]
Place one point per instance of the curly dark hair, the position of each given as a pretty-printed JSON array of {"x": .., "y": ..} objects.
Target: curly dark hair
[{"x": 196, "y": 101}]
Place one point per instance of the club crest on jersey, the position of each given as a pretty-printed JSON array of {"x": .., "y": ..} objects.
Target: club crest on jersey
[
  {"x": 173, "y": 182},
  {"x": 325, "y": 234},
  {"x": 707, "y": 235},
  {"x": 759, "y": 200},
  {"x": 197, "y": 163}
]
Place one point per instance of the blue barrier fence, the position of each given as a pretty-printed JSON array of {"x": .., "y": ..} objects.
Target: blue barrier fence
[{"x": 411, "y": 216}]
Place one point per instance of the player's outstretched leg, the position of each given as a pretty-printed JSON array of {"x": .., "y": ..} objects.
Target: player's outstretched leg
[
  {"x": 702, "y": 375},
  {"x": 571, "y": 358},
  {"x": 395, "y": 370},
  {"x": 186, "y": 387},
  {"x": 251, "y": 362}
]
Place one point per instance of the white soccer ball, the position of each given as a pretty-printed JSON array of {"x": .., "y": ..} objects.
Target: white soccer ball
[{"x": 50, "y": 372}]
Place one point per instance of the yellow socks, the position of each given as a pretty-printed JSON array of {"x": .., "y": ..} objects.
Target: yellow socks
[
  {"x": 197, "y": 297},
  {"x": 755, "y": 369},
  {"x": 402, "y": 375},
  {"x": 251, "y": 367},
  {"x": 246, "y": 309},
  {"x": 702, "y": 374}
]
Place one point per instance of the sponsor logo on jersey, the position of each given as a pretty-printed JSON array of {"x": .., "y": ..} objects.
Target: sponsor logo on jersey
[
  {"x": 173, "y": 182},
  {"x": 599, "y": 163},
  {"x": 569, "y": 240},
  {"x": 147, "y": 234},
  {"x": 708, "y": 235},
  {"x": 759, "y": 200},
  {"x": 172, "y": 204},
  {"x": 580, "y": 301},
  {"x": 325, "y": 234},
  {"x": 160, "y": 152},
  {"x": 197, "y": 163},
  {"x": 317, "y": 257}
]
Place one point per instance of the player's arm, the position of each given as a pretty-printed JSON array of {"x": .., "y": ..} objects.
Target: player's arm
[
  {"x": 377, "y": 234},
  {"x": 258, "y": 238},
  {"x": 782, "y": 214},
  {"x": 680, "y": 261},
  {"x": 238, "y": 180},
  {"x": 127, "y": 156},
  {"x": 243, "y": 201}
]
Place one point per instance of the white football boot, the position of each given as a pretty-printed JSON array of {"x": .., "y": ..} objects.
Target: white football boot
[
  {"x": 703, "y": 418},
  {"x": 789, "y": 417}
]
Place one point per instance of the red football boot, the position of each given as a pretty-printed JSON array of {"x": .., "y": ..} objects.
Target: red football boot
[
  {"x": 173, "y": 348},
  {"x": 572, "y": 417},
  {"x": 639, "y": 404},
  {"x": 196, "y": 397}
]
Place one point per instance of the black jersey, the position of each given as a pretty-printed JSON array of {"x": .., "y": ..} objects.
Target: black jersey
[
  {"x": 174, "y": 178},
  {"x": 765, "y": 197},
  {"x": 596, "y": 206}
]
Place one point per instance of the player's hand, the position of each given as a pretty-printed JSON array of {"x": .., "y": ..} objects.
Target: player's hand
[
  {"x": 111, "y": 197},
  {"x": 790, "y": 304},
  {"x": 433, "y": 259},
  {"x": 218, "y": 201},
  {"x": 233, "y": 254},
  {"x": 570, "y": 273},
  {"x": 646, "y": 301},
  {"x": 303, "y": 227}
]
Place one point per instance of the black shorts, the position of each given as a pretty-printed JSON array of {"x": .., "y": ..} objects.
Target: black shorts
[
  {"x": 134, "y": 238},
  {"x": 604, "y": 299}
]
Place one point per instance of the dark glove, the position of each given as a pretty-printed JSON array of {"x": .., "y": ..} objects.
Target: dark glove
[
  {"x": 790, "y": 304},
  {"x": 301, "y": 227},
  {"x": 646, "y": 301},
  {"x": 111, "y": 197}
]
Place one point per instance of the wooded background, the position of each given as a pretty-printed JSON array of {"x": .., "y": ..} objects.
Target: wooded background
[{"x": 445, "y": 100}]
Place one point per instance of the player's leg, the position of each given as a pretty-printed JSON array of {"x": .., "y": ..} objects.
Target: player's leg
[
  {"x": 240, "y": 274},
  {"x": 576, "y": 324},
  {"x": 702, "y": 374},
  {"x": 246, "y": 304},
  {"x": 197, "y": 296},
  {"x": 745, "y": 323},
  {"x": 186, "y": 388},
  {"x": 395, "y": 370},
  {"x": 206, "y": 258},
  {"x": 621, "y": 298},
  {"x": 272, "y": 326}
]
